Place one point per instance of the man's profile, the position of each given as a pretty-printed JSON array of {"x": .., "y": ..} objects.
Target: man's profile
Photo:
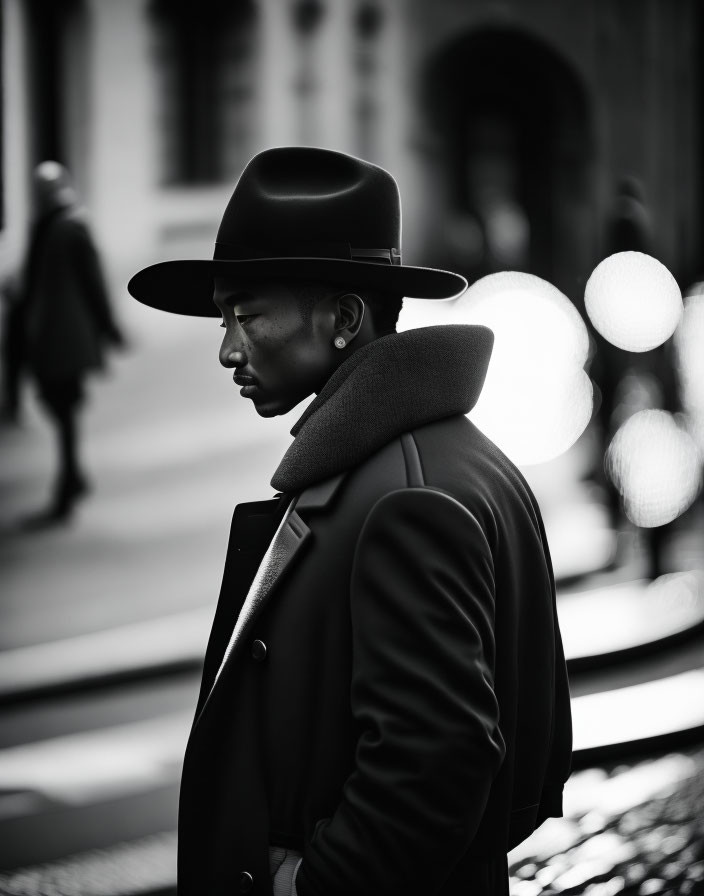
[{"x": 384, "y": 705}]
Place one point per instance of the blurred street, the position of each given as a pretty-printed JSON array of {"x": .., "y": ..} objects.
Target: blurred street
[{"x": 170, "y": 450}]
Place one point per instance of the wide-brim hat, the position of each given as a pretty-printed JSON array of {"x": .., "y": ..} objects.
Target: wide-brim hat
[{"x": 307, "y": 214}]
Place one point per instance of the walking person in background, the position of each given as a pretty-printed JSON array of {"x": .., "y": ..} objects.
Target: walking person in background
[
  {"x": 384, "y": 705},
  {"x": 631, "y": 381},
  {"x": 64, "y": 323},
  {"x": 11, "y": 349}
]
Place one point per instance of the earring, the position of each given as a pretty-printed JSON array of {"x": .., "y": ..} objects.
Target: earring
[{"x": 340, "y": 342}]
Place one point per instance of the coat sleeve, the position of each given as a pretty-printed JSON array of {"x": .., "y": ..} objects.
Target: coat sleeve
[{"x": 429, "y": 746}]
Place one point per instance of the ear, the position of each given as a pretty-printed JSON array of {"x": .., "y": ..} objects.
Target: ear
[{"x": 349, "y": 316}]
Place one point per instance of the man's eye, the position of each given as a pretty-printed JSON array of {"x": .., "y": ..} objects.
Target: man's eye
[{"x": 243, "y": 318}]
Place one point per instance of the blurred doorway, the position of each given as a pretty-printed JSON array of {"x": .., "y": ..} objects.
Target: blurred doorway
[
  {"x": 58, "y": 84},
  {"x": 205, "y": 63},
  {"x": 514, "y": 139},
  {"x": 48, "y": 24}
]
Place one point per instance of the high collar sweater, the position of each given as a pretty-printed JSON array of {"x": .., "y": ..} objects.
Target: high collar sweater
[{"x": 392, "y": 385}]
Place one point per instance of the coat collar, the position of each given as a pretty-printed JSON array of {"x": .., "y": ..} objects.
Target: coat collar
[{"x": 389, "y": 386}]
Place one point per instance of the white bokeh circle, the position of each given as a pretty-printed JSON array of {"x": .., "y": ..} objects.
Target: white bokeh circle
[
  {"x": 633, "y": 301},
  {"x": 417, "y": 313},
  {"x": 537, "y": 398},
  {"x": 655, "y": 465}
]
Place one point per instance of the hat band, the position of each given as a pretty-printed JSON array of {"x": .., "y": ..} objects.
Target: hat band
[{"x": 343, "y": 251}]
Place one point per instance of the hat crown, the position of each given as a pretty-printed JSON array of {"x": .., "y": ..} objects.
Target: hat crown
[{"x": 294, "y": 196}]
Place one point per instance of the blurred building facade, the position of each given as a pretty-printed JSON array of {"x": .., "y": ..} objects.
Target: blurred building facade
[{"x": 506, "y": 122}]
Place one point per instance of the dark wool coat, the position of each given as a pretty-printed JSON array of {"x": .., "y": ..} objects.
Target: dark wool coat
[
  {"x": 67, "y": 316},
  {"x": 393, "y": 700}
]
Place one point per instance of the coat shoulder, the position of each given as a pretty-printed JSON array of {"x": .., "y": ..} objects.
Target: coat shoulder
[
  {"x": 450, "y": 455},
  {"x": 456, "y": 456}
]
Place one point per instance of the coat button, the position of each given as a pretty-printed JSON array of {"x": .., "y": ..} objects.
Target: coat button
[
  {"x": 246, "y": 882},
  {"x": 258, "y": 650}
]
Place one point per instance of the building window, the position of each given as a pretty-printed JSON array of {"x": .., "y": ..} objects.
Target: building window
[{"x": 204, "y": 54}]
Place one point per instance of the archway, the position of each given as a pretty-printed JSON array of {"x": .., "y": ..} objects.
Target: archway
[{"x": 513, "y": 166}]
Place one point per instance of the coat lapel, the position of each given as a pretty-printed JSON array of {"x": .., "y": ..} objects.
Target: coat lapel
[
  {"x": 288, "y": 540},
  {"x": 253, "y": 526}
]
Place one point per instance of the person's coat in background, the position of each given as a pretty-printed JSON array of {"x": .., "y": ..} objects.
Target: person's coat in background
[
  {"x": 393, "y": 701},
  {"x": 66, "y": 315}
]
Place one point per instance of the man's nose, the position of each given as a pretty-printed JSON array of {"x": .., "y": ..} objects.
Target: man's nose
[{"x": 231, "y": 354}]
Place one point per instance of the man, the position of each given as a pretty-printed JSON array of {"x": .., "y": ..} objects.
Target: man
[
  {"x": 63, "y": 324},
  {"x": 384, "y": 705}
]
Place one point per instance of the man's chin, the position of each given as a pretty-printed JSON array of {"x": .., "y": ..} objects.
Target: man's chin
[
  {"x": 270, "y": 408},
  {"x": 267, "y": 410}
]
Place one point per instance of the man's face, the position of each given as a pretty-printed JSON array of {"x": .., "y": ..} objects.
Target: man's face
[{"x": 280, "y": 357}]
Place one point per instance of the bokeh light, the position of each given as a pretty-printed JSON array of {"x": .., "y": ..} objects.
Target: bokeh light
[
  {"x": 654, "y": 464},
  {"x": 633, "y": 301},
  {"x": 417, "y": 313},
  {"x": 537, "y": 399}
]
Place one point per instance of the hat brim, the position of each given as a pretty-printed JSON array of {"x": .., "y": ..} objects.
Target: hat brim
[{"x": 186, "y": 286}]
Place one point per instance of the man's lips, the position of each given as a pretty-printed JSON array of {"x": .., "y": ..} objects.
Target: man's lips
[
  {"x": 243, "y": 380},
  {"x": 248, "y": 383}
]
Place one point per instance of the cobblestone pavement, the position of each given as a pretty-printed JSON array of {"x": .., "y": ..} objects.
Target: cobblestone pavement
[
  {"x": 635, "y": 828},
  {"x": 632, "y": 828}
]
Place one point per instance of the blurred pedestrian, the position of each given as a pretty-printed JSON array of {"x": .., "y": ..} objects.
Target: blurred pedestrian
[
  {"x": 631, "y": 381},
  {"x": 11, "y": 348},
  {"x": 67, "y": 323},
  {"x": 384, "y": 704},
  {"x": 629, "y": 229}
]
